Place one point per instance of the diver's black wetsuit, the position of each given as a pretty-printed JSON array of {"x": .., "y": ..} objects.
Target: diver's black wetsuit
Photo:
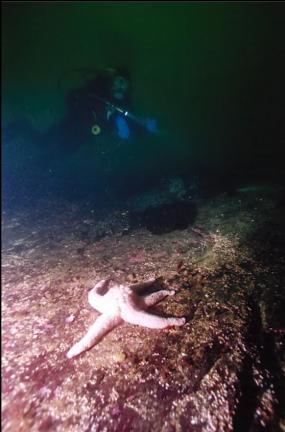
[{"x": 87, "y": 107}]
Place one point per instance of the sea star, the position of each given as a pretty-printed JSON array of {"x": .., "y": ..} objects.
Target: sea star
[{"x": 120, "y": 303}]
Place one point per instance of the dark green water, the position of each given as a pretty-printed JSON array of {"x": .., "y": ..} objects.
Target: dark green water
[{"x": 212, "y": 74}]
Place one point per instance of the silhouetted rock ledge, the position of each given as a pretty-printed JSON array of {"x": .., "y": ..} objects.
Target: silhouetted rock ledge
[{"x": 222, "y": 371}]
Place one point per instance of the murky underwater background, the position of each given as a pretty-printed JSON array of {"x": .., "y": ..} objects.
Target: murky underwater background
[{"x": 199, "y": 206}]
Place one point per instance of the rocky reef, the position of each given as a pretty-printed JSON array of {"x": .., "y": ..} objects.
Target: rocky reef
[{"x": 222, "y": 371}]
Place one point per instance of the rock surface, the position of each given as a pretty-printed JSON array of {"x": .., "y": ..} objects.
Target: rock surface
[{"x": 222, "y": 371}]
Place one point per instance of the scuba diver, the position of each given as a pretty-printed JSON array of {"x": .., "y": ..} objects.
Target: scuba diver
[{"x": 103, "y": 107}]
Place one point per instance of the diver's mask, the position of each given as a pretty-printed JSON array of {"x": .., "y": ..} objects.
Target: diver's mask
[{"x": 120, "y": 87}]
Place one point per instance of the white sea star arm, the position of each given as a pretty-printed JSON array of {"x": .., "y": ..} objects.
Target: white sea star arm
[
  {"x": 135, "y": 316},
  {"x": 96, "y": 295},
  {"x": 102, "y": 325},
  {"x": 155, "y": 297}
]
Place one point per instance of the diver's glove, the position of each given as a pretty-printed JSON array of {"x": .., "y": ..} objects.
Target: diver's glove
[
  {"x": 150, "y": 124},
  {"x": 123, "y": 129},
  {"x": 122, "y": 126}
]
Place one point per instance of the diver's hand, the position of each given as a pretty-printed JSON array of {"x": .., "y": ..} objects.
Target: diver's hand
[{"x": 150, "y": 124}]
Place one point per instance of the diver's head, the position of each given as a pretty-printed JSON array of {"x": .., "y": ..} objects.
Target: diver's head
[{"x": 120, "y": 87}]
